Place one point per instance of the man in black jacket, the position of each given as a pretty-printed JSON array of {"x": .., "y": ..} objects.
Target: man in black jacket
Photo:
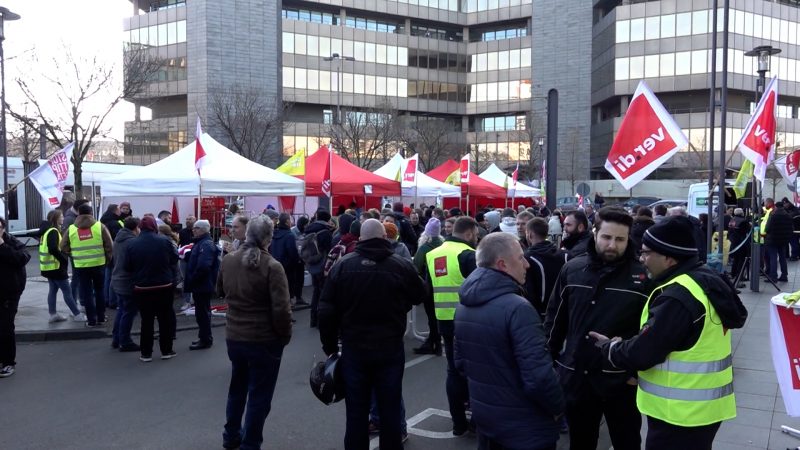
[
  {"x": 322, "y": 226},
  {"x": 576, "y": 233},
  {"x": 407, "y": 235},
  {"x": 604, "y": 289},
  {"x": 545, "y": 260},
  {"x": 13, "y": 258},
  {"x": 688, "y": 318},
  {"x": 779, "y": 232},
  {"x": 365, "y": 302}
]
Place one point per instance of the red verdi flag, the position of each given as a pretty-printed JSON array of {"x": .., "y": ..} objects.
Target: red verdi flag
[
  {"x": 464, "y": 169},
  {"x": 49, "y": 179},
  {"x": 199, "y": 153},
  {"x": 326, "y": 179},
  {"x": 758, "y": 139},
  {"x": 410, "y": 174},
  {"x": 788, "y": 166},
  {"x": 647, "y": 138}
]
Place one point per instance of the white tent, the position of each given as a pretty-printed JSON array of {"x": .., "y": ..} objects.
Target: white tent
[
  {"x": 494, "y": 175},
  {"x": 225, "y": 173},
  {"x": 425, "y": 186}
]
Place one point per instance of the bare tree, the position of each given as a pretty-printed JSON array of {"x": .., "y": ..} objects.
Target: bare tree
[
  {"x": 569, "y": 169},
  {"x": 23, "y": 142},
  {"x": 79, "y": 85},
  {"x": 252, "y": 122},
  {"x": 428, "y": 137},
  {"x": 532, "y": 157},
  {"x": 367, "y": 134}
]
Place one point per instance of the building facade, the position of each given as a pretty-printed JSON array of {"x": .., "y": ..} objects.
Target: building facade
[{"x": 477, "y": 72}]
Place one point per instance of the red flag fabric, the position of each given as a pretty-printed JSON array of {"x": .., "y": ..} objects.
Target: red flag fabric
[
  {"x": 326, "y": 179},
  {"x": 515, "y": 175},
  {"x": 175, "y": 218},
  {"x": 199, "y": 153},
  {"x": 464, "y": 169},
  {"x": 788, "y": 166},
  {"x": 410, "y": 175},
  {"x": 647, "y": 137},
  {"x": 758, "y": 140}
]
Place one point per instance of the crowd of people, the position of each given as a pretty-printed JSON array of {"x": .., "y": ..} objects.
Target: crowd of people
[{"x": 549, "y": 321}]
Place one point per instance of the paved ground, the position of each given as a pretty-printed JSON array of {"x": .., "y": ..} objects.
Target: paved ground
[{"x": 71, "y": 394}]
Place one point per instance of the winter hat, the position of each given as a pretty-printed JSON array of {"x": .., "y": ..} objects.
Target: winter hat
[
  {"x": 391, "y": 230},
  {"x": 672, "y": 237},
  {"x": 345, "y": 220},
  {"x": 355, "y": 228},
  {"x": 323, "y": 215},
  {"x": 149, "y": 223},
  {"x": 509, "y": 225},
  {"x": 272, "y": 214},
  {"x": 433, "y": 227},
  {"x": 493, "y": 218}
]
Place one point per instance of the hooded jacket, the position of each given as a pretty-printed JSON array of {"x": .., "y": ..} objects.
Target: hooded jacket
[
  {"x": 592, "y": 295},
  {"x": 500, "y": 348},
  {"x": 13, "y": 258},
  {"x": 779, "y": 229},
  {"x": 366, "y": 298},
  {"x": 111, "y": 221},
  {"x": 576, "y": 244},
  {"x": 85, "y": 221},
  {"x": 545, "y": 262},
  {"x": 674, "y": 318},
  {"x": 151, "y": 260},
  {"x": 122, "y": 279},
  {"x": 324, "y": 241},
  {"x": 284, "y": 247},
  {"x": 407, "y": 235},
  {"x": 640, "y": 225}
]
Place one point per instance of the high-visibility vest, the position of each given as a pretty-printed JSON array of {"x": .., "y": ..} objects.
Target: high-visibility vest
[
  {"x": 47, "y": 261},
  {"x": 446, "y": 278},
  {"x": 87, "y": 246},
  {"x": 692, "y": 387},
  {"x": 762, "y": 227}
]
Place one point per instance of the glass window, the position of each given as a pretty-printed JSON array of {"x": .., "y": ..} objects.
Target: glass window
[
  {"x": 652, "y": 27},
  {"x": 152, "y": 32},
  {"x": 324, "y": 46},
  {"x": 667, "y": 65},
  {"x": 391, "y": 87},
  {"x": 637, "y": 30},
  {"x": 525, "y": 57},
  {"x": 300, "y": 44},
  {"x": 668, "y": 26},
  {"x": 621, "y": 69},
  {"x": 162, "y": 34},
  {"x": 391, "y": 55},
  {"x": 348, "y": 48},
  {"x": 359, "y": 51},
  {"x": 313, "y": 79},
  {"x": 402, "y": 87},
  {"x": 347, "y": 82},
  {"x": 324, "y": 80},
  {"x": 312, "y": 46},
  {"x": 288, "y": 77},
  {"x": 369, "y": 84},
  {"x": 143, "y": 39},
  {"x": 172, "y": 33},
  {"x": 683, "y": 24},
  {"x": 758, "y": 26},
  {"x": 792, "y": 33},
  {"x": 336, "y": 46},
  {"x": 502, "y": 90},
  {"x": 776, "y": 29},
  {"x": 502, "y": 60},
  {"x": 481, "y": 92},
  {"x": 300, "y": 78},
  {"x": 288, "y": 42},
  {"x": 651, "y": 66},
  {"x": 637, "y": 67},
  {"x": 335, "y": 83},
  {"x": 370, "y": 52},
  {"x": 482, "y": 62},
  {"x": 358, "y": 81},
  {"x": 700, "y": 22},
  {"x": 738, "y": 21},
  {"x": 683, "y": 63},
  {"x": 402, "y": 56},
  {"x": 700, "y": 61},
  {"x": 380, "y": 54},
  {"x": 749, "y": 20},
  {"x": 623, "y": 31},
  {"x": 492, "y": 61}
]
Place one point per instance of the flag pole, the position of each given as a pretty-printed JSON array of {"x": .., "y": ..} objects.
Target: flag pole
[
  {"x": 199, "y": 196},
  {"x": 330, "y": 172}
]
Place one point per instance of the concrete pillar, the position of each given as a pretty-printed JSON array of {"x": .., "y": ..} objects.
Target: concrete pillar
[{"x": 407, "y": 26}]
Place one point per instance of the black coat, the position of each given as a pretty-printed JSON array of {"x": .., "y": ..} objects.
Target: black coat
[
  {"x": 592, "y": 295},
  {"x": 324, "y": 242},
  {"x": 366, "y": 298},
  {"x": 111, "y": 221},
  {"x": 640, "y": 225},
  {"x": 500, "y": 348},
  {"x": 13, "y": 258},
  {"x": 151, "y": 260},
  {"x": 284, "y": 248},
  {"x": 576, "y": 244},
  {"x": 779, "y": 228},
  {"x": 545, "y": 260},
  {"x": 407, "y": 234},
  {"x": 738, "y": 229}
]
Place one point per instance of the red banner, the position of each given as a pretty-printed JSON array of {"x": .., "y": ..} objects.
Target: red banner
[
  {"x": 758, "y": 140},
  {"x": 464, "y": 169}
]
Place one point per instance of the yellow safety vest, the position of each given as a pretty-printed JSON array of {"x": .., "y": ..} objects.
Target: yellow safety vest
[
  {"x": 446, "y": 277},
  {"x": 87, "y": 246},
  {"x": 692, "y": 387},
  {"x": 762, "y": 227},
  {"x": 47, "y": 261}
]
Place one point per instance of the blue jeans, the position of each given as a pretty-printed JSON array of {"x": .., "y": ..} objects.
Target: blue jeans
[
  {"x": 254, "y": 372},
  {"x": 456, "y": 385},
  {"x": 375, "y": 417},
  {"x": 187, "y": 296},
  {"x": 379, "y": 369},
  {"x": 202, "y": 314},
  {"x": 91, "y": 279},
  {"x": 111, "y": 296},
  {"x": 775, "y": 254},
  {"x": 126, "y": 312},
  {"x": 52, "y": 295}
]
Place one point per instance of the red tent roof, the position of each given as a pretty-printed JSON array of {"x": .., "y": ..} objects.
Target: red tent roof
[
  {"x": 346, "y": 178},
  {"x": 477, "y": 186}
]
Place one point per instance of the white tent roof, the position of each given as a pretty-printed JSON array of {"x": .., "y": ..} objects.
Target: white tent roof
[
  {"x": 425, "y": 185},
  {"x": 494, "y": 175},
  {"x": 225, "y": 173}
]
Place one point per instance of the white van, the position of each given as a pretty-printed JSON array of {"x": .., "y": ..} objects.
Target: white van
[{"x": 697, "y": 202}]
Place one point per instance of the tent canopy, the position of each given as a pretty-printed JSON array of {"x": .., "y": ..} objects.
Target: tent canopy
[
  {"x": 346, "y": 178},
  {"x": 444, "y": 170},
  {"x": 425, "y": 186},
  {"x": 476, "y": 187},
  {"x": 496, "y": 176},
  {"x": 225, "y": 173}
]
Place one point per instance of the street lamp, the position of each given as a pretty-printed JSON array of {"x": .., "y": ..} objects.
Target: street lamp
[
  {"x": 5, "y": 14},
  {"x": 338, "y": 58},
  {"x": 763, "y": 53}
]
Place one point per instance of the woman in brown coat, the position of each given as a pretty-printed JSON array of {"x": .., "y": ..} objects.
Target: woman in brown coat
[{"x": 259, "y": 325}]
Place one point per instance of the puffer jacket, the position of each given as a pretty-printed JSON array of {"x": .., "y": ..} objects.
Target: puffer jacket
[
  {"x": 203, "y": 267},
  {"x": 591, "y": 295},
  {"x": 152, "y": 261},
  {"x": 284, "y": 248},
  {"x": 545, "y": 261},
  {"x": 576, "y": 244},
  {"x": 779, "y": 228},
  {"x": 500, "y": 348}
]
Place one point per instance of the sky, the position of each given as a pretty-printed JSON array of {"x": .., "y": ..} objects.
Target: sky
[{"x": 87, "y": 27}]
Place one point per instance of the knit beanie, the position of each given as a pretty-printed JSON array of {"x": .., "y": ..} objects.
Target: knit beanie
[
  {"x": 148, "y": 223},
  {"x": 672, "y": 237},
  {"x": 433, "y": 228},
  {"x": 391, "y": 230}
]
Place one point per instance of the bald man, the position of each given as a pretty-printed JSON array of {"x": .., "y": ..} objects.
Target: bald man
[{"x": 365, "y": 301}]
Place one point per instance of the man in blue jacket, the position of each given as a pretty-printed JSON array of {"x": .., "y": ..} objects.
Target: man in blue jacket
[
  {"x": 500, "y": 347},
  {"x": 201, "y": 280}
]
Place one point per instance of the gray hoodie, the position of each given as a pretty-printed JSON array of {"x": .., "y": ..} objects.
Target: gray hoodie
[{"x": 121, "y": 279}]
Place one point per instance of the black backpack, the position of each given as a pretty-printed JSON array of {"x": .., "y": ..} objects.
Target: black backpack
[{"x": 308, "y": 248}]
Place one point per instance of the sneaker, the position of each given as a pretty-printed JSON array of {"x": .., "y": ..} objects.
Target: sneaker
[
  {"x": 80, "y": 317},
  {"x": 91, "y": 325},
  {"x": 186, "y": 306},
  {"x": 129, "y": 348},
  {"x": 169, "y": 355},
  {"x": 56, "y": 318},
  {"x": 144, "y": 358},
  {"x": 6, "y": 371}
]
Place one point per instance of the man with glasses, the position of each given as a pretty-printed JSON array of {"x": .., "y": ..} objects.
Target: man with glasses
[{"x": 683, "y": 350}]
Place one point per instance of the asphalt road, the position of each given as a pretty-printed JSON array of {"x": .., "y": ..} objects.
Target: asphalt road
[{"x": 83, "y": 395}]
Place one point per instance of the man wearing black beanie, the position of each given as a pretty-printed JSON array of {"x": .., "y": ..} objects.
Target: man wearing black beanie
[{"x": 683, "y": 350}]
